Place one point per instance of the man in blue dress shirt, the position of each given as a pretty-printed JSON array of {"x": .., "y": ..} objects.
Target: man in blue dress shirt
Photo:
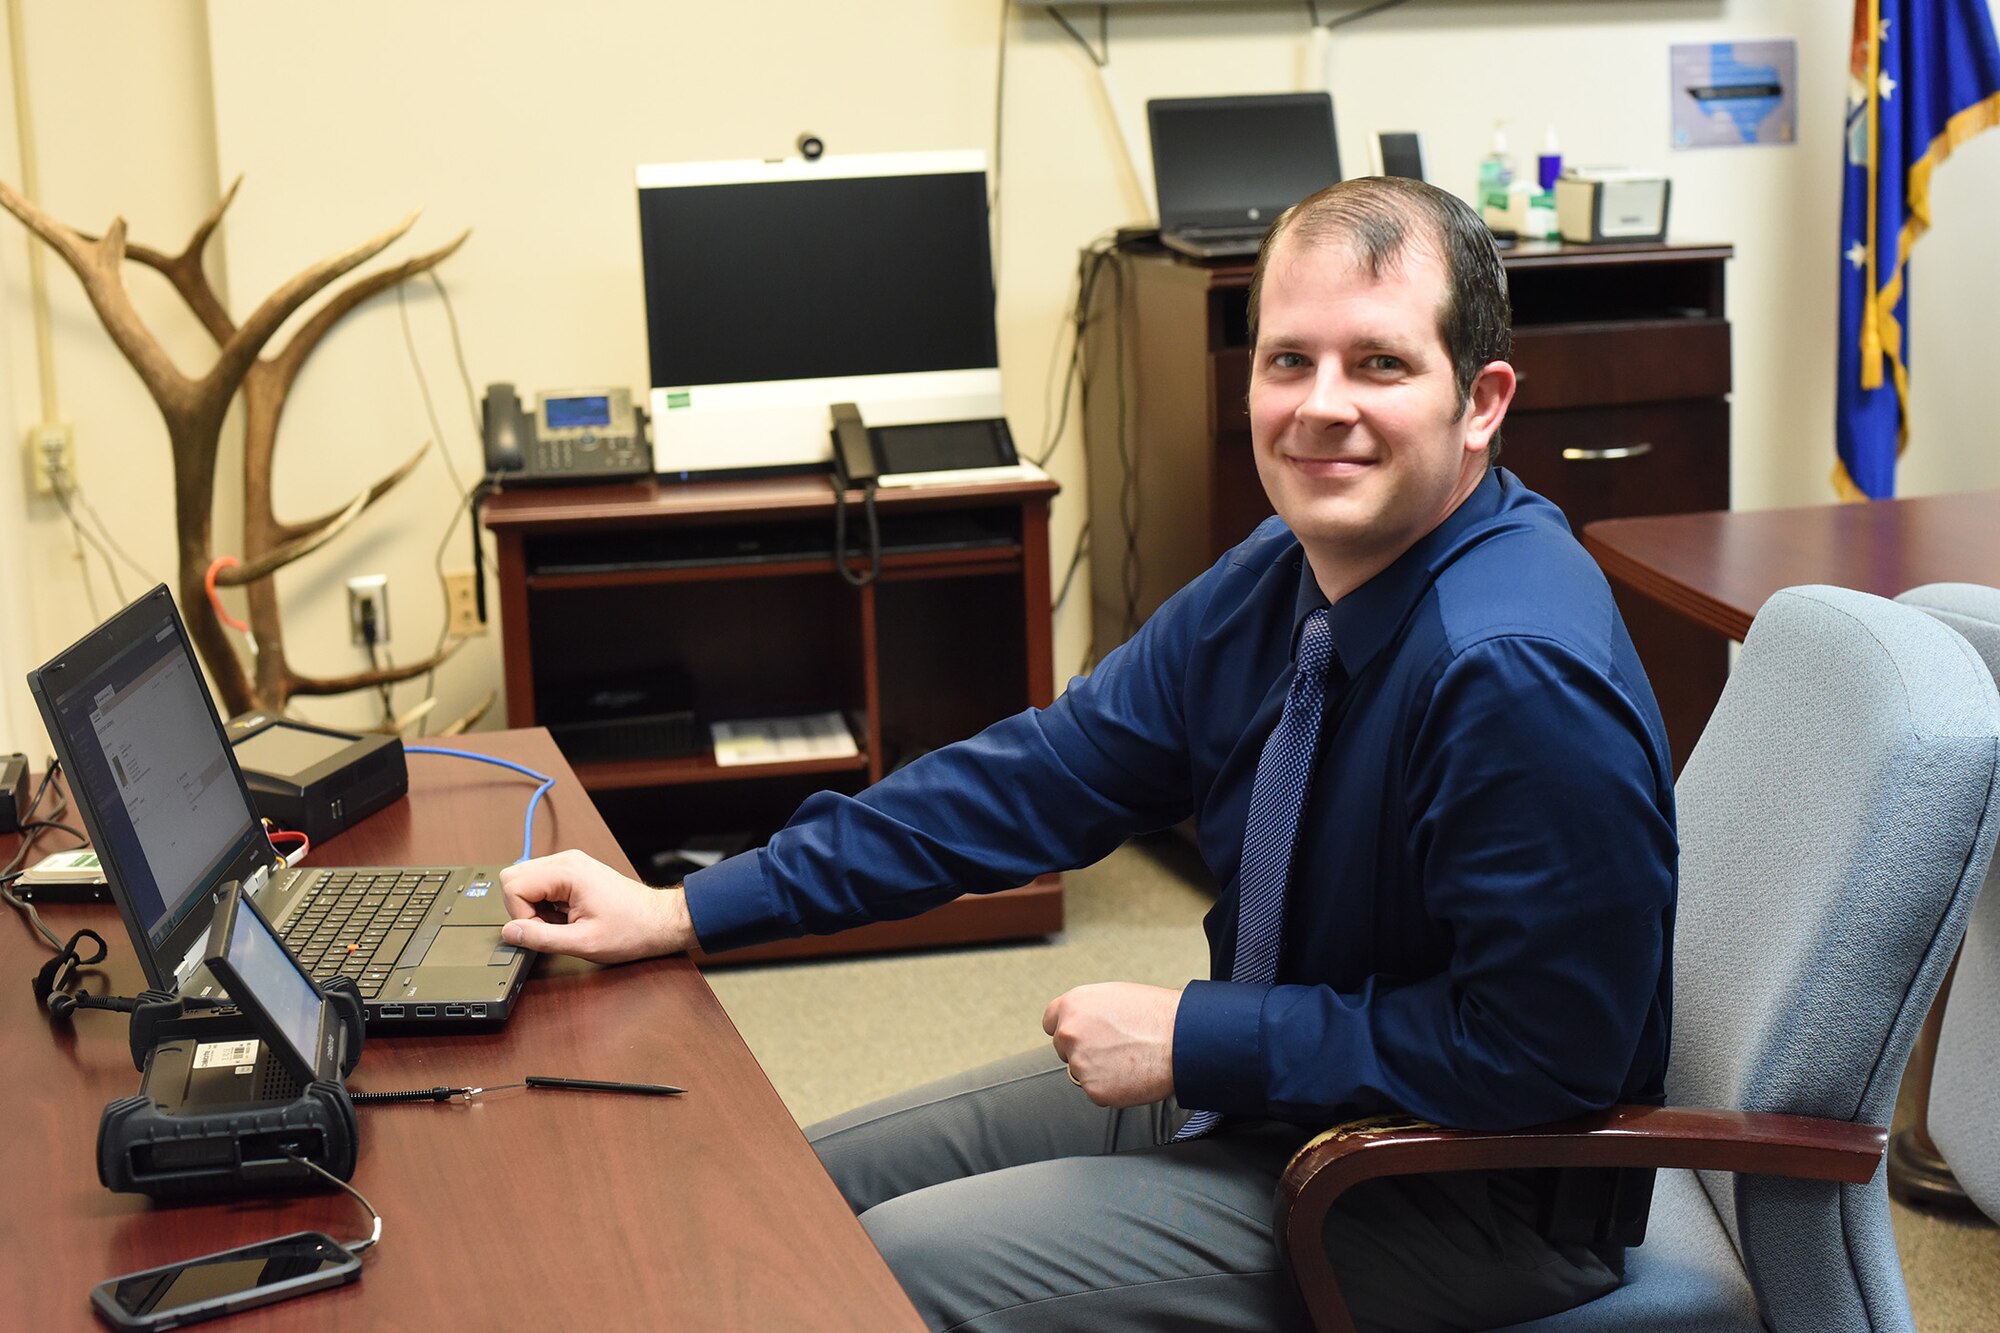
[{"x": 1478, "y": 902}]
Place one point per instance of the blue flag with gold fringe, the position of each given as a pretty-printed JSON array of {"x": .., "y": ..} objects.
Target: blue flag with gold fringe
[{"x": 1924, "y": 76}]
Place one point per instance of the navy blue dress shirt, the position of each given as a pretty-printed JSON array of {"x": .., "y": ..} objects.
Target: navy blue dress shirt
[{"x": 1480, "y": 920}]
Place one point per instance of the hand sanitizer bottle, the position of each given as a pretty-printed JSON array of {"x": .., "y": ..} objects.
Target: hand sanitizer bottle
[
  {"x": 1542, "y": 208},
  {"x": 1550, "y": 164},
  {"x": 1496, "y": 179}
]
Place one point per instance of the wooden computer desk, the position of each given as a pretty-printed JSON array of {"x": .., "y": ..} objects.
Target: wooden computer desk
[
  {"x": 523, "y": 1209},
  {"x": 719, "y": 599}
]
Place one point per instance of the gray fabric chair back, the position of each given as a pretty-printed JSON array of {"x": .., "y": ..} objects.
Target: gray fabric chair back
[
  {"x": 1965, "y": 1087},
  {"x": 1836, "y": 820},
  {"x": 1965, "y": 1091}
]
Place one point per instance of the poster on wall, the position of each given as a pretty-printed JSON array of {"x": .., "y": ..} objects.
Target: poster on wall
[{"x": 1733, "y": 93}]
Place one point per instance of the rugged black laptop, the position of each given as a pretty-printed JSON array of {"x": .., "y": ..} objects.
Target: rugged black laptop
[
  {"x": 1225, "y": 167},
  {"x": 172, "y": 823}
]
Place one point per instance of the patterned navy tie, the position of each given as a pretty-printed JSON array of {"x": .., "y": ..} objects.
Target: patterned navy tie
[{"x": 1277, "y": 796}]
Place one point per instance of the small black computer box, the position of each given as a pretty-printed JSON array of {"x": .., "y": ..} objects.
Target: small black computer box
[
  {"x": 13, "y": 792},
  {"x": 315, "y": 780}
]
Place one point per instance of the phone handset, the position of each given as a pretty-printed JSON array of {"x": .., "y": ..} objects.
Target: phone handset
[
  {"x": 853, "y": 452},
  {"x": 854, "y": 464},
  {"x": 504, "y": 428}
]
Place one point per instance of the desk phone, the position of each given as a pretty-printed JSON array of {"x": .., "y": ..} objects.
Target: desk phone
[{"x": 570, "y": 435}]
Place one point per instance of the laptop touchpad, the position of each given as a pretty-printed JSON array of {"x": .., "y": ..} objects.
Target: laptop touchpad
[{"x": 462, "y": 946}]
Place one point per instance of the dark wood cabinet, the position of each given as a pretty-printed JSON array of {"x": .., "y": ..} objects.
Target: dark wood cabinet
[
  {"x": 1623, "y": 354},
  {"x": 632, "y": 616}
]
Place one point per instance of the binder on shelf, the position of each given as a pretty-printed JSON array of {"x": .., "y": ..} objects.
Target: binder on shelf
[{"x": 783, "y": 740}]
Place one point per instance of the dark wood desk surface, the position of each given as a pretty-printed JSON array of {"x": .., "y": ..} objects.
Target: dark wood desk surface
[
  {"x": 1718, "y": 568},
  {"x": 649, "y": 501},
  {"x": 522, "y": 1209}
]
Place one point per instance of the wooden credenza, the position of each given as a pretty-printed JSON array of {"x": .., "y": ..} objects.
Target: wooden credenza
[
  {"x": 1623, "y": 356},
  {"x": 632, "y": 616}
]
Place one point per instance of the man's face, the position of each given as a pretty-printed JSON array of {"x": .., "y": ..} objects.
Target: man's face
[{"x": 1353, "y": 407}]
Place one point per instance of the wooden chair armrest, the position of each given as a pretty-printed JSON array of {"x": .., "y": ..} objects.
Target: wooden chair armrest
[{"x": 1749, "y": 1142}]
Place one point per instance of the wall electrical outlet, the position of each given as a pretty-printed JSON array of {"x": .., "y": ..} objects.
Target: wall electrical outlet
[
  {"x": 461, "y": 599},
  {"x": 368, "y": 610},
  {"x": 52, "y": 447}
]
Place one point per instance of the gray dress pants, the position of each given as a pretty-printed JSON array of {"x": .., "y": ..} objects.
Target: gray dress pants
[{"x": 1003, "y": 1199}]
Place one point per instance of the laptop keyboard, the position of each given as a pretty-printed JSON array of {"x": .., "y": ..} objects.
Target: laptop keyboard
[{"x": 355, "y": 923}]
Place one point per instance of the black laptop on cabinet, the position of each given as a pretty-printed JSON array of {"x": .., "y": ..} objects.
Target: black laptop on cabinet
[{"x": 1225, "y": 167}]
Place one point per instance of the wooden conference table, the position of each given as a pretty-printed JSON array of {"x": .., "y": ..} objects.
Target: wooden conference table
[
  {"x": 1717, "y": 568},
  {"x": 523, "y": 1209}
]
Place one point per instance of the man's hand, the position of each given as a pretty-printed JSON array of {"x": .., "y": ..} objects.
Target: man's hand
[
  {"x": 1117, "y": 1037},
  {"x": 570, "y": 903}
]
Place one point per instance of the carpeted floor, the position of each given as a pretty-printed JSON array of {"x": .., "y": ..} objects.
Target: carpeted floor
[{"x": 838, "y": 1033}]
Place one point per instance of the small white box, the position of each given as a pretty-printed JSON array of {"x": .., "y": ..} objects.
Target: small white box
[{"x": 1599, "y": 204}]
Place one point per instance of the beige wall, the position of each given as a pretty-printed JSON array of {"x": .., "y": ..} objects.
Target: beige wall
[
  {"x": 122, "y": 122},
  {"x": 523, "y": 122}
]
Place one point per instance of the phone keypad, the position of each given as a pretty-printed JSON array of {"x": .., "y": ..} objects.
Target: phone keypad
[{"x": 589, "y": 452}]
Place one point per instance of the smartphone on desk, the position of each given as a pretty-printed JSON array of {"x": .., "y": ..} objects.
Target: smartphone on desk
[{"x": 213, "y": 1285}]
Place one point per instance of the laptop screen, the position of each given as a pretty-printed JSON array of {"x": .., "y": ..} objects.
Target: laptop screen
[
  {"x": 130, "y": 715},
  {"x": 1239, "y": 161}
]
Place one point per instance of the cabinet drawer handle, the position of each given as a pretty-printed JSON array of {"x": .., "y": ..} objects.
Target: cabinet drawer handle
[{"x": 1639, "y": 450}]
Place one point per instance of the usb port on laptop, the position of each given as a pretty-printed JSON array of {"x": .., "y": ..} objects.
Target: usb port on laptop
[
  {"x": 427, "y": 1011},
  {"x": 390, "y": 1011},
  {"x": 454, "y": 1011}
]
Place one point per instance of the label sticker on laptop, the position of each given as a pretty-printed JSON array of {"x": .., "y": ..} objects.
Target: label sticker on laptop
[
  {"x": 477, "y": 890},
  {"x": 214, "y": 1054}
]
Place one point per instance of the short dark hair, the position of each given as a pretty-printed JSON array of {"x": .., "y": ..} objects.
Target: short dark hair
[{"x": 1379, "y": 217}]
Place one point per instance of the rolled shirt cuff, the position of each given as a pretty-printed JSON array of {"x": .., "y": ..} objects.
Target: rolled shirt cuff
[
  {"x": 733, "y": 905},
  {"x": 1219, "y": 1048}
]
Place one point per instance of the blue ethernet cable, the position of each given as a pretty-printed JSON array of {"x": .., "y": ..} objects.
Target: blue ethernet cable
[{"x": 528, "y": 826}]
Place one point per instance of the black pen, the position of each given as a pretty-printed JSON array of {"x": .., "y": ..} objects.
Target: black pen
[{"x": 598, "y": 1085}]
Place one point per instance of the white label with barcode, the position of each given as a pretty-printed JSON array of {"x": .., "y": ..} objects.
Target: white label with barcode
[{"x": 211, "y": 1054}]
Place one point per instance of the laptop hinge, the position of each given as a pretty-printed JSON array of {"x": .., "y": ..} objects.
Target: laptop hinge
[
  {"x": 251, "y": 884},
  {"x": 196, "y": 952}
]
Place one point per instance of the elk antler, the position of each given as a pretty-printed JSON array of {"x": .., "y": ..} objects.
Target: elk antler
[
  {"x": 248, "y": 341},
  {"x": 318, "y": 533},
  {"x": 314, "y": 526},
  {"x": 471, "y": 715},
  {"x": 187, "y": 273},
  {"x": 193, "y": 410},
  {"x": 97, "y": 262},
  {"x": 366, "y": 680}
]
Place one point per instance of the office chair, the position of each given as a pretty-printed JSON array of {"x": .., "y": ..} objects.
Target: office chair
[
  {"x": 1963, "y": 1107},
  {"x": 1965, "y": 1100},
  {"x": 1836, "y": 820}
]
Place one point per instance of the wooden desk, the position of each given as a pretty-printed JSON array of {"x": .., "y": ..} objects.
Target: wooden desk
[
  {"x": 520, "y": 1210},
  {"x": 1718, "y": 568},
  {"x": 703, "y": 601}
]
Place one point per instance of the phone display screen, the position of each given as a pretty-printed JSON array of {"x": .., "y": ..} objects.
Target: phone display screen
[
  {"x": 267, "y": 982},
  {"x": 569, "y": 413},
  {"x": 216, "y": 1284}
]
